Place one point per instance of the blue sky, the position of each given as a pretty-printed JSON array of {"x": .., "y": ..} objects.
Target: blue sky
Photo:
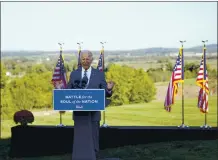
[{"x": 41, "y": 25}]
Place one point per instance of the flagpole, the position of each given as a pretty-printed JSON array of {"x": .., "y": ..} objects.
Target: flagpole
[
  {"x": 60, "y": 112},
  {"x": 204, "y": 80},
  {"x": 183, "y": 112},
  {"x": 104, "y": 115},
  {"x": 79, "y": 50}
]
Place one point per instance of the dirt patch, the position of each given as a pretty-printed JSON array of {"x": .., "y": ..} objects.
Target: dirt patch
[
  {"x": 44, "y": 113},
  {"x": 189, "y": 92}
]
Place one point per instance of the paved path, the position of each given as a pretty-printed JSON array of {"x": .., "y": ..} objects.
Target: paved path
[{"x": 44, "y": 113}]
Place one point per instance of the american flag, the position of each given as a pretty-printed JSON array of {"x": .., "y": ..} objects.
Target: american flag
[
  {"x": 79, "y": 61},
  {"x": 101, "y": 61},
  {"x": 202, "y": 82},
  {"x": 59, "y": 78},
  {"x": 176, "y": 77}
]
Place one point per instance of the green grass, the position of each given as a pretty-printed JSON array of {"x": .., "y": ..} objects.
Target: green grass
[
  {"x": 146, "y": 114},
  {"x": 185, "y": 150}
]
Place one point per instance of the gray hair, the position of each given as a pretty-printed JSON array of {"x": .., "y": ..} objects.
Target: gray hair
[{"x": 86, "y": 51}]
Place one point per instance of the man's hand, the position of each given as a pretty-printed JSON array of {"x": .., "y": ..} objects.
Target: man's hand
[{"x": 110, "y": 85}]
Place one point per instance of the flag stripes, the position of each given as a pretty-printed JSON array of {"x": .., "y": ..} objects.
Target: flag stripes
[
  {"x": 59, "y": 78},
  {"x": 79, "y": 60},
  {"x": 176, "y": 77},
  {"x": 101, "y": 61},
  {"x": 202, "y": 82}
]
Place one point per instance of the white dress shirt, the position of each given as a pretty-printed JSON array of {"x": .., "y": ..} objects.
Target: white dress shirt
[{"x": 88, "y": 73}]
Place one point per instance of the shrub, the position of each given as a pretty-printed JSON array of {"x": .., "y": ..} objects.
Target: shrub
[{"x": 23, "y": 117}]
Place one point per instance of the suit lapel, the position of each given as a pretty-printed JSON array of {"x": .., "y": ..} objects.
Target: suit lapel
[
  {"x": 79, "y": 73},
  {"x": 91, "y": 77}
]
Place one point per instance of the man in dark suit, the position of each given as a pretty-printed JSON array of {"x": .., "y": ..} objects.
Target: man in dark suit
[{"x": 95, "y": 80}]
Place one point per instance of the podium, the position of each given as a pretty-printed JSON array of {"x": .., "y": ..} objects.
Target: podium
[{"x": 86, "y": 132}]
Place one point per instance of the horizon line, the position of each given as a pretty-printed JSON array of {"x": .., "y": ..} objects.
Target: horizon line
[{"x": 34, "y": 50}]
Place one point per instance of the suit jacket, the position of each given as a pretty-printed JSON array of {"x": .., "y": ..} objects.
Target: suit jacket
[{"x": 97, "y": 81}]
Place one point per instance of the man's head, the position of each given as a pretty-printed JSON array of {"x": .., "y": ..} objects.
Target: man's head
[{"x": 86, "y": 59}]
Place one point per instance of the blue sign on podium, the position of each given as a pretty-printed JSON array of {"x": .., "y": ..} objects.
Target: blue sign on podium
[{"x": 79, "y": 99}]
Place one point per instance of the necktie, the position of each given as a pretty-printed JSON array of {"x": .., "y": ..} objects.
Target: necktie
[
  {"x": 85, "y": 76},
  {"x": 85, "y": 79}
]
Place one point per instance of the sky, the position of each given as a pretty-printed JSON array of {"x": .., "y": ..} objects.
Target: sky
[{"x": 130, "y": 25}]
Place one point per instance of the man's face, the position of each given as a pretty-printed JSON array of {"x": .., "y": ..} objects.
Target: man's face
[{"x": 86, "y": 60}]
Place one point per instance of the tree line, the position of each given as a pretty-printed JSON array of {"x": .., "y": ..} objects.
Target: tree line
[
  {"x": 33, "y": 88},
  {"x": 164, "y": 73}
]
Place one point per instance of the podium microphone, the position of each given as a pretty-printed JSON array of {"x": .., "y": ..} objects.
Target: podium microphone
[
  {"x": 76, "y": 84},
  {"x": 83, "y": 84}
]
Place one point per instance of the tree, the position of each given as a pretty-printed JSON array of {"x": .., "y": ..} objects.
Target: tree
[
  {"x": 143, "y": 89},
  {"x": 6, "y": 103},
  {"x": 131, "y": 85},
  {"x": 169, "y": 66},
  {"x": 3, "y": 76}
]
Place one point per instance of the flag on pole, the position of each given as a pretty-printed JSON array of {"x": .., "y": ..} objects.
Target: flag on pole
[
  {"x": 79, "y": 61},
  {"x": 176, "y": 77},
  {"x": 59, "y": 78},
  {"x": 101, "y": 61},
  {"x": 100, "y": 67},
  {"x": 202, "y": 82}
]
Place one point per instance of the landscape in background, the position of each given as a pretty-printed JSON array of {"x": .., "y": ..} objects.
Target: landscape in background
[
  {"x": 138, "y": 40},
  {"x": 26, "y": 81}
]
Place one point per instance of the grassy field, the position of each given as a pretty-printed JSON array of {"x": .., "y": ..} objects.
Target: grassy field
[
  {"x": 149, "y": 63},
  {"x": 147, "y": 114}
]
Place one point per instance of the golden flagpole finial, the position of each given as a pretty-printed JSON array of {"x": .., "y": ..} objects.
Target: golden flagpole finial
[
  {"x": 204, "y": 47},
  {"x": 205, "y": 41},
  {"x": 102, "y": 43},
  {"x": 181, "y": 48},
  {"x": 61, "y": 48},
  {"x": 79, "y": 45},
  {"x": 182, "y": 42},
  {"x": 61, "y": 44},
  {"x": 102, "y": 48}
]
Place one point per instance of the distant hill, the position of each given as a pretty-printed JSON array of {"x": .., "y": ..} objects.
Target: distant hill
[
  {"x": 197, "y": 49},
  {"x": 211, "y": 48}
]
